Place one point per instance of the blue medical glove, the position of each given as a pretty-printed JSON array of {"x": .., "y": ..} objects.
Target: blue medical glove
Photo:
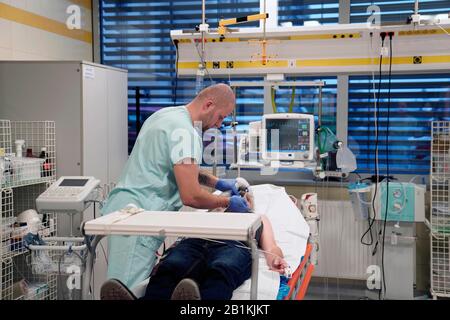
[
  {"x": 227, "y": 185},
  {"x": 238, "y": 204}
]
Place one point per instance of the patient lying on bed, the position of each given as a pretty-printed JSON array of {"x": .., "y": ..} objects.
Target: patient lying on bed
[{"x": 195, "y": 268}]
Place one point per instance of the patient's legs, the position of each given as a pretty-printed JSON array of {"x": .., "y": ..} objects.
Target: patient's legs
[
  {"x": 228, "y": 267},
  {"x": 185, "y": 260}
]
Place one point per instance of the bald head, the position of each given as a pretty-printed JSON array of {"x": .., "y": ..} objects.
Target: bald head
[
  {"x": 220, "y": 93},
  {"x": 212, "y": 105}
]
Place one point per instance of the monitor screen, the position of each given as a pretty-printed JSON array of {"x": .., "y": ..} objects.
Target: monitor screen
[
  {"x": 73, "y": 183},
  {"x": 294, "y": 135}
]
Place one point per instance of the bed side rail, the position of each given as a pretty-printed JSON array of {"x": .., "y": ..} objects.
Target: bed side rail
[{"x": 299, "y": 282}]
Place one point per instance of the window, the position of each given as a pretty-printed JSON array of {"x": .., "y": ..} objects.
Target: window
[
  {"x": 297, "y": 12},
  {"x": 396, "y": 10},
  {"x": 136, "y": 36},
  {"x": 415, "y": 101}
]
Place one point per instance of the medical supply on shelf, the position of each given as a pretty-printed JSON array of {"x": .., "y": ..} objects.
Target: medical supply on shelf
[
  {"x": 19, "y": 147},
  {"x": 7, "y": 169},
  {"x": 46, "y": 166},
  {"x": 20, "y": 289},
  {"x": 21, "y": 169},
  {"x": 31, "y": 220},
  {"x": 36, "y": 291}
]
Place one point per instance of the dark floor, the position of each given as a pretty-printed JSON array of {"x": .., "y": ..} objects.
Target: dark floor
[{"x": 335, "y": 289}]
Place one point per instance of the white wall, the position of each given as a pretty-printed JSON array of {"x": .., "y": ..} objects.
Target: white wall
[{"x": 37, "y": 30}]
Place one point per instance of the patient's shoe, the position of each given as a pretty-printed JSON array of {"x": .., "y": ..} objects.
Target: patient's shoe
[
  {"x": 187, "y": 289},
  {"x": 113, "y": 289}
]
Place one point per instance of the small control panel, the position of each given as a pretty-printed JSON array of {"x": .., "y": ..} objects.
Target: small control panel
[{"x": 68, "y": 194}]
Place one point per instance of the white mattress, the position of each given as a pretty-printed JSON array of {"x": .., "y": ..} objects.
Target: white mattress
[{"x": 291, "y": 233}]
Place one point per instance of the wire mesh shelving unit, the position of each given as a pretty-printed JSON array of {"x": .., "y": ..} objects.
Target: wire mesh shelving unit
[
  {"x": 440, "y": 209},
  {"x": 27, "y": 168}
]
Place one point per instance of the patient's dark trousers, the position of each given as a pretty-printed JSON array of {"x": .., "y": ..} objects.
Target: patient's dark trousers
[{"x": 217, "y": 268}]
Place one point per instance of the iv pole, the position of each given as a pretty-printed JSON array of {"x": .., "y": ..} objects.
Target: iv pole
[{"x": 203, "y": 66}]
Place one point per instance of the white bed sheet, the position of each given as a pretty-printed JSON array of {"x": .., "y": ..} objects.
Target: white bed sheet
[{"x": 291, "y": 233}]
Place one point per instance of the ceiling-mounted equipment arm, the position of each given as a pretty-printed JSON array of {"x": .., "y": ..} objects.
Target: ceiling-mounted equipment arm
[{"x": 222, "y": 30}]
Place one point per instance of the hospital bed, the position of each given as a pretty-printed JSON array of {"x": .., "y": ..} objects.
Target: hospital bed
[{"x": 290, "y": 228}]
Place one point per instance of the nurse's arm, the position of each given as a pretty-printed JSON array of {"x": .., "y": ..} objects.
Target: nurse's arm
[
  {"x": 207, "y": 179},
  {"x": 191, "y": 193}
]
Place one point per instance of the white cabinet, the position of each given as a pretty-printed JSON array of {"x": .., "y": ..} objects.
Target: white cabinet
[{"x": 88, "y": 103}]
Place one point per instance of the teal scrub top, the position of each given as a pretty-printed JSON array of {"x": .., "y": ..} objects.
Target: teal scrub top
[{"x": 148, "y": 181}]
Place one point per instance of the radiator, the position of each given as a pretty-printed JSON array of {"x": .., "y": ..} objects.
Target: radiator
[{"x": 341, "y": 254}]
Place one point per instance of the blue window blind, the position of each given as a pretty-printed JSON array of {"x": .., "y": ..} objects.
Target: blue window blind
[
  {"x": 396, "y": 10},
  {"x": 297, "y": 12},
  {"x": 136, "y": 36},
  {"x": 416, "y": 100}
]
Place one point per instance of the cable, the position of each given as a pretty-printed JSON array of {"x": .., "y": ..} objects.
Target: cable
[
  {"x": 104, "y": 253},
  {"x": 441, "y": 28},
  {"x": 272, "y": 96},
  {"x": 327, "y": 196},
  {"x": 387, "y": 160},
  {"x": 371, "y": 220},
  {"x": 377, "y": 114},
  {"x": 176, "y": 72},
  {"x": 359, "y": 176},
  {"x": 371, "y": 91},
  {"x": 383, "y": 36},
  {"x": 291, "y": 103},
  {"x": 340, "y": 240},
  {"x": 369, "y": 230},
  {"x": 243, "y": 247},
  {"x": 100, "y": 203}
]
